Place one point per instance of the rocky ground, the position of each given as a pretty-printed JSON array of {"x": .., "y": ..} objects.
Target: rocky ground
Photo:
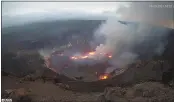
[
  {"x": 139, "y": 83},
  {"x": 38, "y": 91},
  {"x": 143, "y": 92}
]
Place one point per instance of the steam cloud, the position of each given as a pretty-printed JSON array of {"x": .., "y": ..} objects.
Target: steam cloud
[
  {"x": 129, "y": 41},
  {"x": 156, "y": 13},
  {"x": 45, "y": 52}
]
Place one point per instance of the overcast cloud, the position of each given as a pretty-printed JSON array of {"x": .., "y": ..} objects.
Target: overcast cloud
[
  {"x": 158, "y": 13},
  {"x": 17, "y": 8},
  {"x": 146, "y": 12}
]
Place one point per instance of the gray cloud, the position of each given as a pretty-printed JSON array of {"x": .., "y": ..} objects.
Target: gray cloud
[{"x": 158, "y": 13}]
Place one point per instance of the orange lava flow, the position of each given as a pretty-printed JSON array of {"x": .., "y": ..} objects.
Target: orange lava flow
[
  {"x": 103, "y": 77},
  {"x": 91, "y": 53},
  {"x": 74, "y": 57},
  {"x": 83, "y": 57}
]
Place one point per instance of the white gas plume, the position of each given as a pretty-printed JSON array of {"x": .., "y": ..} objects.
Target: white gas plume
[{"x": 129, "y": 41}]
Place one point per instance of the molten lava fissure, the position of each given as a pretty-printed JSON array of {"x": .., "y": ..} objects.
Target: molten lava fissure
[
  {"x": 90, "y": 55},
  {"x": 103, "y": 77},
  {"x": 83, "y": 57}
]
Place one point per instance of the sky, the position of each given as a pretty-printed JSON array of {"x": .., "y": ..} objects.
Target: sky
[
  {"x": 160, "y": 13},
  {"x": 16, "y": 13},
  {"x": 19, "y": 8}
]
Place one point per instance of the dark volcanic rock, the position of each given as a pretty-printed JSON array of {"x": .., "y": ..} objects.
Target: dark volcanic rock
[
  {"x": 144, "y": 92},
  {"x": 18, "y": 95},
  {"x": 143, "y": 71}
]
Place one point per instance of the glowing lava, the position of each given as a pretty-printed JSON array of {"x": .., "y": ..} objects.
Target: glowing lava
[
  {"x": 91, "y": 53},
  {"x": 83, "y": 57},
  {"x": 110, "y": 56},
  {"x": 103, "y": 77},
  {"x": 74, "y": 58}
]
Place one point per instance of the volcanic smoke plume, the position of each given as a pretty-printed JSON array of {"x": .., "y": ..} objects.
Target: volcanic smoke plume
[{"x": 130, "y": 41}]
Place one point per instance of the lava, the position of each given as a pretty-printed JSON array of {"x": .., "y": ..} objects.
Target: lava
[
  {"x": 110, "y": 56},
  {"x": 83, "y": 57},
  {"x": 103, "y": 77},
  {"x": 91, "y": 53},
  {"x": 74, "y": 58}
]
